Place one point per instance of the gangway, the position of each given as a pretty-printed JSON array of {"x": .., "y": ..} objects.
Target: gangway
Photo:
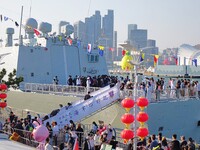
[{"x": 83, "y": 109}]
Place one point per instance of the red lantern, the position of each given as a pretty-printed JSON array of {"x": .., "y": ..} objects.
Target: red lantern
[
  {"x": 127, "y": 119},
  {"x": 142, "y": 117},
  {"x": 3, "y": 87},
  {"x": 3, "y": 95},
  {"x": 142, "y": 132},
  {"x": 127, "y": 103},
  {"x": 3, "y": 104},
  {"x": 142, "y": 102},
  {"x": 127, "y": 134}
]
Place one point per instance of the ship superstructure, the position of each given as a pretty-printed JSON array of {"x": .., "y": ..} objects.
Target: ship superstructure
[{"x": 38, "y": 59}]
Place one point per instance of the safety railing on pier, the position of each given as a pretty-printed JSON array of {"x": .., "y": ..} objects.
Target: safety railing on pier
[
  {"x": 21, "y": 113},
  {"x": 163, "y": 95},
  {"x": 56, "y": 89}
]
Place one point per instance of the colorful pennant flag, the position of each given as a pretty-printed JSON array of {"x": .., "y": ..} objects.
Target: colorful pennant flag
[
  {"x": 16, "y": 24},
  {"x": 89, "y": 48},
  {"x": 123, "y": 52},
  {"x": 142, "y": 57},
  {"x": 36, "y": 32},
  {"x": 69, "y": 41},
  {"x": 194, "y": 62},
  {"x": 156, "y": 59},
  {"x": 101, "y": 50},
  {"x": 5, "y": 18},
  {"x": 101, "y": 47},
  {"x": 60, "y": 38}
]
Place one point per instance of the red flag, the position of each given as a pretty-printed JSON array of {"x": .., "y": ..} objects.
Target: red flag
[
  {"x": 76, "y": 147},
  {"x": 123, "y": 52},
  {"x": 36, "y": 32},
  {"x": 69, "y": 41},
  {"x": 155, "y": 59}
]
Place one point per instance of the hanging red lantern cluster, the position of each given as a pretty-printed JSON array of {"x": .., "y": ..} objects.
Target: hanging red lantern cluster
[
  {"x": 142, "y": 117},
  {"x": 3, "y": 95},
  {"x": 142, "y": 102},
  {"x": 127, "y": 119},
  {"x": 3, "y": 104},
  {"x": 126, "y": 135},
  {"x": 3, "y": 87},
  {"x": 127, "y": 103},
  {"x": 142, "y": 132}
]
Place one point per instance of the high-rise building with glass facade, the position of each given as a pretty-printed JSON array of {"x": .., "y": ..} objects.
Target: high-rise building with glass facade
[
  {"x": 131, "y": 27},
  {"x": 79, "y": 30},
  {"x": 138, "y": 38},
  {"x": 98, "y": 31},
  {"x": 107, "y": 35}
]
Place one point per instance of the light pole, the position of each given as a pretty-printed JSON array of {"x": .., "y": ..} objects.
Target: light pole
[{"x": 136, "y": 62}]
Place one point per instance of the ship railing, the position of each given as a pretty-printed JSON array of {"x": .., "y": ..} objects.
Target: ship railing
[
  {"x": 56, "y": 89},
  {"x": 164, "y": 94},
  {"x": 25, "y": 137}
]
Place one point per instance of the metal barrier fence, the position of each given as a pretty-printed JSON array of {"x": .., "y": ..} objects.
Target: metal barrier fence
[
  {"x": 27, "y": 139},
  {"x": 165, "y": 94},
  {"x": 20, "y": 113},
  {"x": 56, "y": 89}
]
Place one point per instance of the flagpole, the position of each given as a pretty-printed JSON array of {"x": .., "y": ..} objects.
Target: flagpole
[
  {"x": 20, "y": 28},
  {"x": 30, "y": 8}
]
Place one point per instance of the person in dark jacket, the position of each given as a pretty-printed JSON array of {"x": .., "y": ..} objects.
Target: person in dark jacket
[
  {"x": 175, "y": 144},
  {"x": 130, "y": 145},
  {"x": 79, "y": 132},
  {"x": 87, "y": 96}
]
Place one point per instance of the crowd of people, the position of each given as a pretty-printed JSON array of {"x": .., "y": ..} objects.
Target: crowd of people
[
  {"x": 65, "y": 138},
  {"x": 101, "y": 134},
  {"x": 96, "y": 138},
  {"x": 160, "y": 142},
  {"x": 171, "y": 87},
  {"x": 152, "y": 87},
  {"x": 96, "y": 81}
]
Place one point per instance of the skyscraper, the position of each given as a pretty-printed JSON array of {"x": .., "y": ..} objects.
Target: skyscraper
[
  {"x": 107, "y": 34},
  {"x": 93, "y": 28},
  {"x": 79, "y": 30},
  {"x": 138, "y": 38},
  {"x": 131, "y": 27}
]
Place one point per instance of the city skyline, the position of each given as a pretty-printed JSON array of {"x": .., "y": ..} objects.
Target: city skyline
[{"x": 170, "y": 23}]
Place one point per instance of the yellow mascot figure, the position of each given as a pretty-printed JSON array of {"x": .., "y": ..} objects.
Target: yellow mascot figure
[{"x": 125, "y": 62}]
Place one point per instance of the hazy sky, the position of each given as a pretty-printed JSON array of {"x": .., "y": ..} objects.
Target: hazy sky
[{"x": 170, "y": 22}]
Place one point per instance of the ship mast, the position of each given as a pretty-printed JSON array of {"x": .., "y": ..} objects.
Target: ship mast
[{"x": 20, "y": 38}]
